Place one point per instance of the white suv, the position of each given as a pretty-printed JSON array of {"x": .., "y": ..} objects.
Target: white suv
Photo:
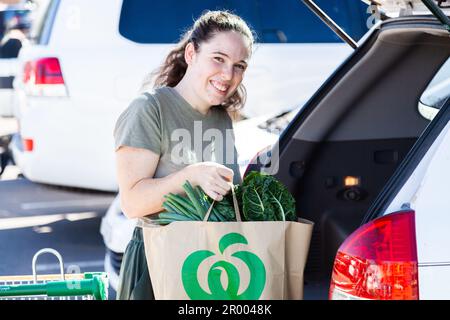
[
  {"x": 365, "y": 163},
  {"x": 90, "y": 59}
]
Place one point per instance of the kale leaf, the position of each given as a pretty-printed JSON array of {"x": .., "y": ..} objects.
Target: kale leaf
[{"x": 264, "y": 198}]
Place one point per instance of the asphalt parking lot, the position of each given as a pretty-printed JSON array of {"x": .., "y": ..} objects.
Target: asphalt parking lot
[{"x": 35, "y": 216}]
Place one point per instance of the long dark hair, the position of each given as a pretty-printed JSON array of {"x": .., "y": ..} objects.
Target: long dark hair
[{"x": 204, "y": 28}]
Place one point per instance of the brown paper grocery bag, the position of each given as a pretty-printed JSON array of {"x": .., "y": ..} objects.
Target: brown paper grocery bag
[{"x": 203, "y": 260}]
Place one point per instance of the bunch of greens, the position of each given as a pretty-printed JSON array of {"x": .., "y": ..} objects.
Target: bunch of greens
[
  {"x": 260, "y": 197},
  {"x": 193, "y": 206},
  {"x": 264, "y": 198}
]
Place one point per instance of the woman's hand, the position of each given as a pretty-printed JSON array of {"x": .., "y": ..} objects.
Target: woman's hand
[{"x": 212, "y": 177}]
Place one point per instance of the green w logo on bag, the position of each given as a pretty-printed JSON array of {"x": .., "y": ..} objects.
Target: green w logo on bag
[{"x": 254, "y": 264}]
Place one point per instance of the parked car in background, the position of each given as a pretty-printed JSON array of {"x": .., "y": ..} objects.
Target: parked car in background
[
  {"x": 22, "y": 9},
  {"x": 93, "y": 65},
  {"x": 15, "y": 21},
  {"x": 264, "y": 131}
]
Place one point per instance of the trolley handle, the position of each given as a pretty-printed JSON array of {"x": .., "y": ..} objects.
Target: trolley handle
[{"x": 52, "y": 251}]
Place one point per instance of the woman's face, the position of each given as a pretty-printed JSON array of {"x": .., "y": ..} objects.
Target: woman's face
[{"x": 218, "y": 67}]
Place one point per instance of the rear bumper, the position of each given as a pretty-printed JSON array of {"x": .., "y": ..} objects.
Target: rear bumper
[{"x": 73, "y": 145}]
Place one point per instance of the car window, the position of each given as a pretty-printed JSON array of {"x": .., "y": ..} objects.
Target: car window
[
  {"x": 7, "y": 15},
  {"x": 436, "y": 93},
  {"x": 42, "y": 17},
  {"x": 294, "y": 22},
  {"x": 2, "y": 24},
  {"x": 291, "y": 22},
  {"x": 168, "y": 18}
]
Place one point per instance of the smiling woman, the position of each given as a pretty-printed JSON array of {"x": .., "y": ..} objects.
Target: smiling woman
[
  {"x": 195, "y": 92},
  {"x": 217, "y": 71},
  {"x": 211, "y": 47}
]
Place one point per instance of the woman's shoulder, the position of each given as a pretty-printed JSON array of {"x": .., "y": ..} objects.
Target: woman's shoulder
[
  {"x": 145, "y": 102},
  {"x": 155, "y": 97}
]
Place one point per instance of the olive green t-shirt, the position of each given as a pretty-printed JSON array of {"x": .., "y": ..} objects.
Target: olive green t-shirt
[{"x": 164, "y": 122}]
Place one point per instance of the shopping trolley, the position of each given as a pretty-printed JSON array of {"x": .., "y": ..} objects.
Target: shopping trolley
[{"x": 81, "y": 286}]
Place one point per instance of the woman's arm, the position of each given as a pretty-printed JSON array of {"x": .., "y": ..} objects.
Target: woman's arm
[{"x": 140, "y": 193}]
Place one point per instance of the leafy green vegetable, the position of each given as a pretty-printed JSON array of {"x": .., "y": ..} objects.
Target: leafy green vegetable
[
  {"x": 264, "y": 198},
  {"x": 261, "y": 197},
  {"x": 281, "y": 200},
  {"x": 225, "y": 210},
  {"x": 255, "y": 207},
  {"x": 195, "y": 199}
]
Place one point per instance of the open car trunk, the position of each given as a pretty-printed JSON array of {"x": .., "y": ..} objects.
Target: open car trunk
[{"x": 360, "y": 124}]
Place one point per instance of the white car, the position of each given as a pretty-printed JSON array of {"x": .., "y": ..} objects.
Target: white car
[
  {"x": 12, "y": 16},
  {"x": 90, "y": 58},
  {"x": 367, "y": 160}
]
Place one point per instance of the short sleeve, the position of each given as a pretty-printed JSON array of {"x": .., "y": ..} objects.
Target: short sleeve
[{"x": 139, "y": 126}]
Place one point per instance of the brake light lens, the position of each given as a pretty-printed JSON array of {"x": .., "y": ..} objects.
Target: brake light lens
[
  {"x": 28, "y": 145},
  {"x": 48, "y": 71},
  {"x": 378, "y": 261},
  {"x": 43, "y": 77}
]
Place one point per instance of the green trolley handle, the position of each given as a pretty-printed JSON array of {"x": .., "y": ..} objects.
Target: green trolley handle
[{"x": 93, "y": 283}]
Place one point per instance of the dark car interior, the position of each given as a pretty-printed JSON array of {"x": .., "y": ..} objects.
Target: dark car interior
[{"x": 343, "y": 146}]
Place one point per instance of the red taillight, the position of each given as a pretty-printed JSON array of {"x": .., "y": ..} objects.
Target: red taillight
[
  {"x": 378, "y": 261},
  {"x": 43, "y": 77},
  {"x": 48, "y": 71},
  {"x": 28, "y": 144}
]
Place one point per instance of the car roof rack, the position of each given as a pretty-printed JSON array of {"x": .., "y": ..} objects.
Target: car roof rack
[
  {"x": 397, "y": 8},
  {"x": 388, "y": 8}
]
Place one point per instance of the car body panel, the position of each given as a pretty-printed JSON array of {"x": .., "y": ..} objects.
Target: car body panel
[
  {"x": 434, "y": 280},
  {"x": 426, "y": 192},
  {"x": 432, "y": 205},
  {"x": 8, "y": 70}
]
